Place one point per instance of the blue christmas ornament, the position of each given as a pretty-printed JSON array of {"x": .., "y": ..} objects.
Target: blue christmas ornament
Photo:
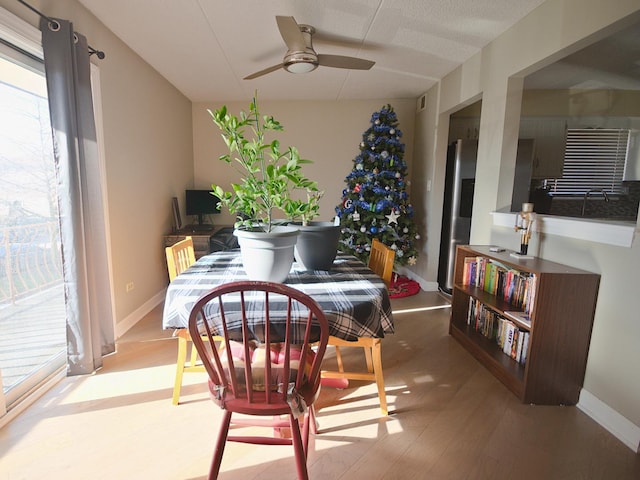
[{"x": 373, "y": 229}]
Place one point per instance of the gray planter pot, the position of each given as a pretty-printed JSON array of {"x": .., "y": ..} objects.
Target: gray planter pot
[
  {"x": 317, "y": 245},
  {"x": 267, "y": 256}
]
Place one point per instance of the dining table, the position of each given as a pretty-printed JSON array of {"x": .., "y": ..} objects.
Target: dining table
[{"x": 353, "y": 298}]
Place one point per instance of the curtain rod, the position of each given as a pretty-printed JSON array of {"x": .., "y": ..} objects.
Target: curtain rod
[{"x": 100, "y": 54}]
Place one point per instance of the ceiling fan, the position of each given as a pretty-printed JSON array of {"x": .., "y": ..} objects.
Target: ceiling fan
[{"x": 301, "y": 57}]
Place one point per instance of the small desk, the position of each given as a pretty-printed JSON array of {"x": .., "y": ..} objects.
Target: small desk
[
  {"x": 354, "y": 299},
  {"x": 204, "y": 241}
]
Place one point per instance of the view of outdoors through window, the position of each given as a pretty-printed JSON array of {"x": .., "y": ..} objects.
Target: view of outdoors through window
[{"x": 32, "y": 311}]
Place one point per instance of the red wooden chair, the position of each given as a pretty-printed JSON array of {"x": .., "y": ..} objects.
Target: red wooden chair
[{"x": 253, "y": 317}]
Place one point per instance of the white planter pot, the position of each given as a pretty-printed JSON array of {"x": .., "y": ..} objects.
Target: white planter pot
[{"x": 267, "y": 256}]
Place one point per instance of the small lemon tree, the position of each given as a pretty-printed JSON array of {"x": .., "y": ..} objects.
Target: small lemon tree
[{"x": 271, "y": 176}]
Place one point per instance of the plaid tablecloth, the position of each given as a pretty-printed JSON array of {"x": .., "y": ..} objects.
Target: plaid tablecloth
[{"x": 354, "y": 299}]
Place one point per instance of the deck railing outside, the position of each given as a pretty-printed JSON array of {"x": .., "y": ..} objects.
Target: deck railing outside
[
  {"x": 32, "y": 308},
  {"x": 29, "y": 260}
]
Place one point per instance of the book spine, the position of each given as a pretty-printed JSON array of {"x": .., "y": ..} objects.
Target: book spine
[{"x": 525, "y": 348}]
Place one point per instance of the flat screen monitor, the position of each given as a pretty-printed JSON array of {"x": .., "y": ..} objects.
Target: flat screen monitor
[{"x": 201, "y": 203}]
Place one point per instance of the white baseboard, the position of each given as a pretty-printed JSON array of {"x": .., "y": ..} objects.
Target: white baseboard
[
  {"x": 619, "y": 426},
  {"x": 427, "y": 286},
  {"x": 135, "y": 316},
  {"x": 424, "y": 285}
]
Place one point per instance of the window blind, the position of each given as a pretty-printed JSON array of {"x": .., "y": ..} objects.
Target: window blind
[{"x": 594, "y": 159}]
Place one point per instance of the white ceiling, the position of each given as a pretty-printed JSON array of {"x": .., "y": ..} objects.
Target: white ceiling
[{"x": 206, "y": 47}]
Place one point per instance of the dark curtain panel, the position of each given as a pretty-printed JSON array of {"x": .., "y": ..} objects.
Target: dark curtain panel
[{"x": 90, "y": 332}]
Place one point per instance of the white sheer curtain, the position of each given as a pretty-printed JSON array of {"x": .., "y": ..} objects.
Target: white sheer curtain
[{"x": 90, "y": 332}]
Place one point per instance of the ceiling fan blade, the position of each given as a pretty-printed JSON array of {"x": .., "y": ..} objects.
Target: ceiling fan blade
[
  {"x": 291, "y": 33},
  {"x": 263, "y": 72},
  {"x": 340, "y": 61}
]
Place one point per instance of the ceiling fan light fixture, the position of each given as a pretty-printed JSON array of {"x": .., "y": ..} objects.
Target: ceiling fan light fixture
[
  {"x": 300, "y": 62},
  {"x": 300, "y": 67}
]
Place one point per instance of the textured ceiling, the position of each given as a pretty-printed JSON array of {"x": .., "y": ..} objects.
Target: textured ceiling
[{"x": 206, "y": 47}]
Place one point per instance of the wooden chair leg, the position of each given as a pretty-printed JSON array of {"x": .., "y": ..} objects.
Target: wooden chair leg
[
  {"x": 180, "y": 363},
  {"x": 313, "y": 420},
  {"x": 220, "y": 444},
  {"x": 339, "y": 359},
  {"x": 377, "y": 368},
  {"x": 194, "y": 355},
  {"x": 306, "y": 429},
  {"x": 299, "y": 448},
  {"x": 373, "y": 355},
  {"x": 367, "y": 357},
  {"x": 182, "y": 366}
]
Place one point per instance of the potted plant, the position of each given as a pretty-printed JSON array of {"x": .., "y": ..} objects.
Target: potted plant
[
  {"x": 317, "y": 243},
  {"x": 271, "y": 179}
]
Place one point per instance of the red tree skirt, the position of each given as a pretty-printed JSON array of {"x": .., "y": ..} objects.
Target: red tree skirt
[{"x": 403, "y": 287}]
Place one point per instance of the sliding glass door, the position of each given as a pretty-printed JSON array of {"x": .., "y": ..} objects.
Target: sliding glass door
[{"x": 32, "y": 308}]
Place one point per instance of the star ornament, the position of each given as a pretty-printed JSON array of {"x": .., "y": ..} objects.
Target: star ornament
[
  {"x": 393, "y": 217},
  {"x": 412, "y": 260}
]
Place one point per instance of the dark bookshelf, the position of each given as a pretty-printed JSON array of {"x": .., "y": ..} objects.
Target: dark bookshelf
[{"x": 561, "y": 316}]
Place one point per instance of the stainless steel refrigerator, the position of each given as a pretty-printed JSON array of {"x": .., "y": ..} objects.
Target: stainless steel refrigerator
[
  {"x": 460, "y": 180},
  {"x": 459, "y": 185}
]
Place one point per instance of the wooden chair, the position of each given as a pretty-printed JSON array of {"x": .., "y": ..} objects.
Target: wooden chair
[
  {"x": 181, "y": 256},
  {"x": 381, "y": 262},
  {"x": 259, "y": 321}
]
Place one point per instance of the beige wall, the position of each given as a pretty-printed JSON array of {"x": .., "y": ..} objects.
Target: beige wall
[
  {"x": 556, "y": 28},
  {"x": 148, "y": 157},
  {"x": 581, "y": 103},
  {"x": 328, "y": 133},
  {"x": 149, "y": 147}
]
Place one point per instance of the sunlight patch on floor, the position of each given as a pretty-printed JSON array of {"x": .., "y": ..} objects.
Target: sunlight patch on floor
[
  {"x": 420, "y": 309},
  {"x": 105, "y": 385},
  {"x": 424, "y": 379}
]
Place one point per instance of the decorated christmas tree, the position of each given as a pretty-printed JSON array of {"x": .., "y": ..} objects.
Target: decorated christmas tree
[{"x": 375, "y": 203}]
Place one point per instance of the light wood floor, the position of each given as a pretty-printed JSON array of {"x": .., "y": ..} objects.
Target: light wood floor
[{"x": 451, "y": 420}]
